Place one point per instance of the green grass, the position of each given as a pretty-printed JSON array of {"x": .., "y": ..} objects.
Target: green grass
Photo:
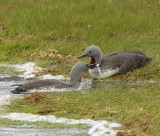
[
  {"x": 8, "y": 122},
  {"x": 7, "y": 70},
  {"x": 137, "y": 108},
  {"x": 31, "y": 29}
]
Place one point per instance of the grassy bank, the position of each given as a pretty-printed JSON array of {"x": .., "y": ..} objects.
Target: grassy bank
[
  {"x": 53, "y": 33},
  {"x": 136, "y": 108}
]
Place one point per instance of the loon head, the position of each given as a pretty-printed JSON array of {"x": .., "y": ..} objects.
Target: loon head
[{"x": 94, "y": 53}]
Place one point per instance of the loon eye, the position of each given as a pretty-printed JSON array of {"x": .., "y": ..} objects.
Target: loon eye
[{"x": 90, "y": 51}]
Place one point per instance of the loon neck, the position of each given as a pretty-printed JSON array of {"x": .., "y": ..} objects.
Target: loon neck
[
  {"x": 96, "y": 60},
  {"x": 76, "y": 73},
  {"x": 75, "y": 79}
]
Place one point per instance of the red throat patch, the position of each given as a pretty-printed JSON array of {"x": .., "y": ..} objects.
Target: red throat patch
[{"x": 92, "y": 61}]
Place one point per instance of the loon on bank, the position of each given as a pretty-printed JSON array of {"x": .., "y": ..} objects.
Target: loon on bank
[
  {"x": 102, "y": 66},
  {"x": 75, "y": 76}
]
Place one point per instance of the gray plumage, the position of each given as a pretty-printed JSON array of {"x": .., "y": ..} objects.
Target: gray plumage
[
  {"x": 125, "y": 61},
  {"x": 121, "y": 62},
  {"x": 75, "y": 75}
]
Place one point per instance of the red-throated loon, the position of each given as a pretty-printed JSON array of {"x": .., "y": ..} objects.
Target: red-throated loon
[{"x": 113, "y": 63}]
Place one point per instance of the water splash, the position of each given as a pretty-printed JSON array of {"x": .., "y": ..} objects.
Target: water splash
[
  {"x": 5, "y": 100},
  {"x": 29, "y": 69},
  {"x": 41, "y": 132},
  {"x": 49, "y": 76},
  {"x": 98, "y": 128}
]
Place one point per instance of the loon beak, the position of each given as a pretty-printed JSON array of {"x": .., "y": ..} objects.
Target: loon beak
[{"x": 82, "y": 56}]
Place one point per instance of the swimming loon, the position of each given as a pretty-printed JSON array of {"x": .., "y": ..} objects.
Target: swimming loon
[
  {"x": 102, "y": 66},
  {"x": 75, "y": 76}
]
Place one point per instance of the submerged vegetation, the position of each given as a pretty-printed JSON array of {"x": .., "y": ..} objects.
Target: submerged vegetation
[{"x": 53, "y": 33}]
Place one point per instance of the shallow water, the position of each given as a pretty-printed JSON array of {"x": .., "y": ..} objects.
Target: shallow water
[
  {"x": 5, "y": 88},
  {"x": 10, "y": 131},
  {"x": 7, "y": 84},
  {"x": 28, "y": 71}
]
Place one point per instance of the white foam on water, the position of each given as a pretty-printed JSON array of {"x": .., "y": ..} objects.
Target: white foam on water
[
  {"x": 5, "y": 100},
  {"x": 98, "y": 128},
  {"x": 104, "y": 128},
  {"x": 29, "y": 69},
  {"x": 85, "y": 84},
  {"x": 15, "y": 131},
  {"x": 4, "y": 84},
  {"x": 48, "y": 89},
  {"x": 49, "y": 76}
]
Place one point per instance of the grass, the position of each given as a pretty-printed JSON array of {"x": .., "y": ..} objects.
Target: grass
[
  {"x": 137, "y": 108},
  {"x": 69, "y": 27},
  {"x": 54, "y": 33},
  {"x": 8, "y": 122},
  {"x": 7, "y": 70}
]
